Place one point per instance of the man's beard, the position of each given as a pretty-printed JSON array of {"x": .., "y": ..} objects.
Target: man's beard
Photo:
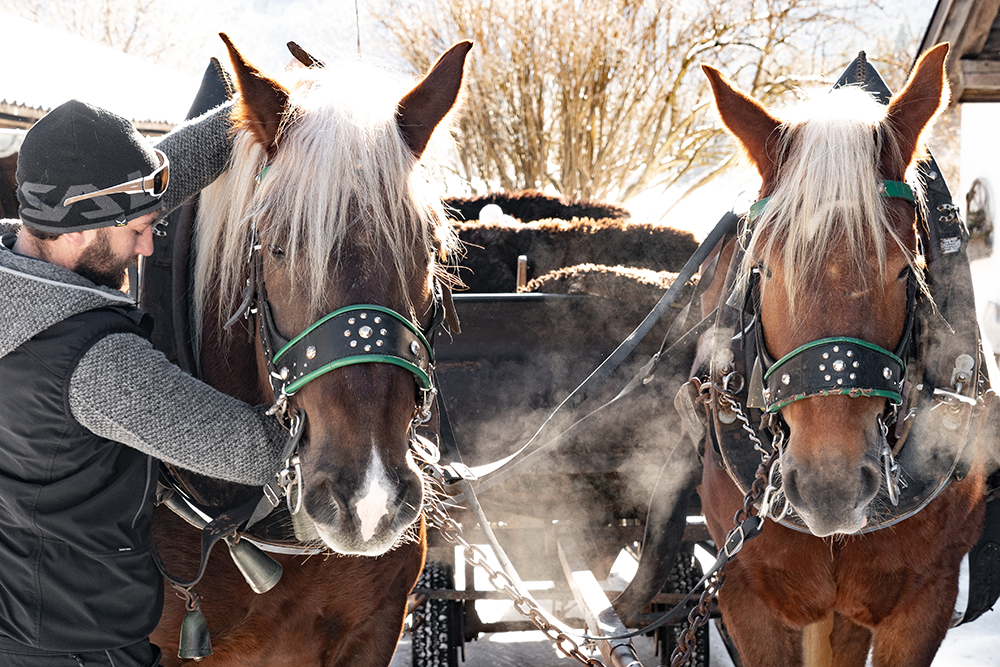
[{"x": 99, "y": 264}]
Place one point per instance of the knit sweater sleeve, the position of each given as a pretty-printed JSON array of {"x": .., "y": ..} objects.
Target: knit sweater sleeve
[
  {"x": 124, "y": 390},
  {"x": 198, "y": 150}
]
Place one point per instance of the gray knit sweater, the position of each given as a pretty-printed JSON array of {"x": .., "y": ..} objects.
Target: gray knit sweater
[{"x": 123, "y": 389}]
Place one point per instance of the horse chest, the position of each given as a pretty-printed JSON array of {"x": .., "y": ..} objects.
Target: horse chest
[{"x": 864, "y": 577}]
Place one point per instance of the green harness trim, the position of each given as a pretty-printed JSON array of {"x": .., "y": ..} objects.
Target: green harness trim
[
  {"x": 864, "y": 370},
  {"x": 422, "y": 377},
  {"x": 827, "y": 341},
  {"x": 348, "y": 309},
  {"x": 892, "y": 189},
  {"x": 351, "y": 358}
]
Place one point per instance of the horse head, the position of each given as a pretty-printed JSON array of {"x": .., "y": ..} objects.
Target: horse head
[
  {"x": 347, "y": 248},
  {"x": 832, "y": 259}
]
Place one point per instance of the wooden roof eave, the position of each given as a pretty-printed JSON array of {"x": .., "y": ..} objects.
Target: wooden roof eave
[{"x": 966, "y": 25}]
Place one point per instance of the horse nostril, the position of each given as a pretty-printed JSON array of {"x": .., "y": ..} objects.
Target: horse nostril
[
  {"x": 871, "y": 480},
  {"x": 325, "y": 503},
  {"x": 791, "y": 487}
]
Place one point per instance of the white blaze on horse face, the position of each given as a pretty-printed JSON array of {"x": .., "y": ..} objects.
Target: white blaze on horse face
[{"x": 374, "y": 503}]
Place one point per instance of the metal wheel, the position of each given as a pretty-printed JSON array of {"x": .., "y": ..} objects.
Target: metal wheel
[
  {"x": 437, "y": 629},
  {"x": 685, "y": 574}
]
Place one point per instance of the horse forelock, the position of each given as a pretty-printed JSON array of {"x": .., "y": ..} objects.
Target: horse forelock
[
  {"x": 342, "y": 172},
  {"x": 825, "y": 203}
]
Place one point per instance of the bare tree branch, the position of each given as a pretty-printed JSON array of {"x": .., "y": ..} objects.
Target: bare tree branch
[{"x": 604, "y": 98}]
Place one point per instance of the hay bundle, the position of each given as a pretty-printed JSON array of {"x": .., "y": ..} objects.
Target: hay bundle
[
  {"x": 632, "y": 288},
  {"x": 531, "y": 205},
  {"x": 490, "y": 264}
]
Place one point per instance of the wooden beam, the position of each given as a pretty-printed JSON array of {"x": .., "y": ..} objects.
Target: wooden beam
[
  {"x": 21, "y": 116},
  {"x": 980, "y": 81},
  {"x": 977, "y": 28},
  {"x": 965, "y": 24}
]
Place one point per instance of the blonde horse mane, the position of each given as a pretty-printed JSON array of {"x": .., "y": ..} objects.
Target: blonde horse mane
[
  {"x": 342, "y": 168},
  {"x": 826, "y": 201}
]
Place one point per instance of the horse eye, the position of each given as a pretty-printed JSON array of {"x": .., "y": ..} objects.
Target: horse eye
[
  {"x": 904, "y": 273},
  {"x": 277, "y": 251}
]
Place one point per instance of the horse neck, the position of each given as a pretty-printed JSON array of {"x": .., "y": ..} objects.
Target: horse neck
[{"x": 229, "y": 358}]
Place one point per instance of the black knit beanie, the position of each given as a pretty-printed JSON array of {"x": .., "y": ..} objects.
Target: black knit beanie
[{"x": 75, "y": 149}]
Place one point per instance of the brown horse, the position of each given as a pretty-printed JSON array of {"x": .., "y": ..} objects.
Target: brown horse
[
  {"x": 831, "y": 261},
  {"x": 326, "y": 197}
]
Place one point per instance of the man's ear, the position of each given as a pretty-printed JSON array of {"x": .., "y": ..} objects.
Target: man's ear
[{"x": 79, "y": 239}]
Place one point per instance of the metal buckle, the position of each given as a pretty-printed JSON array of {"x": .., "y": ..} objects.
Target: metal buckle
[
  {"x": 738, "y": 536},
  {"x": 289, "y": 479},
  {"x": 426, "y": 403}
]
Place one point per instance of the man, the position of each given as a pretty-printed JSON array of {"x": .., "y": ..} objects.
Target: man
[{"x": 86, "y": 403}]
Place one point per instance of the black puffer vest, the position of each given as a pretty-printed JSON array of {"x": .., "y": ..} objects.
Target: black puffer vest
[{"x": 75, "y": 509}]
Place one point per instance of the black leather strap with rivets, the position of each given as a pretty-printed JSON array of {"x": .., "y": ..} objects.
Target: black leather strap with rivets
[{"x": 357, "y": 334}]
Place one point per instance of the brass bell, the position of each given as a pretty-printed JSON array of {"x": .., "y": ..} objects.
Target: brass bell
[
  {"x": 260, "y": 570},
  {"x": 195, "y": 642}
]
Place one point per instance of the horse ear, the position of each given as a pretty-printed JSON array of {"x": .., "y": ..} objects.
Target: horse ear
[
  {"x": 262, "y": 101},
  {"x": 748, "y": 121},
  {"x": 421, "y": 109},
  {"x": 911, "y": 111},
  {"x": 304, "y": 56}
]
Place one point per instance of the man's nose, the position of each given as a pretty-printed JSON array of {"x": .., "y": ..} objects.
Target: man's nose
[{"x": 144, "y": 246}]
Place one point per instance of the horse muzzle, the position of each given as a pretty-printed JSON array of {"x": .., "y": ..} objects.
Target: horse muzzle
[
  {"x": 831, "y": 493},
  {"x": 367, "y": 519}
]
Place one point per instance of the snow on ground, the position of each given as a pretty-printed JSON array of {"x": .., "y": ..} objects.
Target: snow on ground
[{"x": 973, "y": 645}]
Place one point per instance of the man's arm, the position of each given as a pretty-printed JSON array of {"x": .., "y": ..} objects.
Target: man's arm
[
  {"x": 126, "y": 391},
  {"x": 199, "y": 150}
]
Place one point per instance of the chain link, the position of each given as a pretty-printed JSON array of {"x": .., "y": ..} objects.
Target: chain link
[
  {"x": 438, "y": 517},
  {"x": 700, "y": 615},
  {"x": 697, "y": 617}
]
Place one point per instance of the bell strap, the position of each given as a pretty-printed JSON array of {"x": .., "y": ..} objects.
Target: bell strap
[{"x": 227, "y": 523}]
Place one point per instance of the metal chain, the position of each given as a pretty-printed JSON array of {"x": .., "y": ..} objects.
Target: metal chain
[
  {"x": 697, "y": 617},
  {"x": 451, "y": 531},
  {"x": 700, "y": 615},
  {"x": 437, "y": 516}
]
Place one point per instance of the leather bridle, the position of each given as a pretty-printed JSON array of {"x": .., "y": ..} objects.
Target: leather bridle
[
  {"x": 838, "y": 365},
  {"x": 356, "y": 334}
]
